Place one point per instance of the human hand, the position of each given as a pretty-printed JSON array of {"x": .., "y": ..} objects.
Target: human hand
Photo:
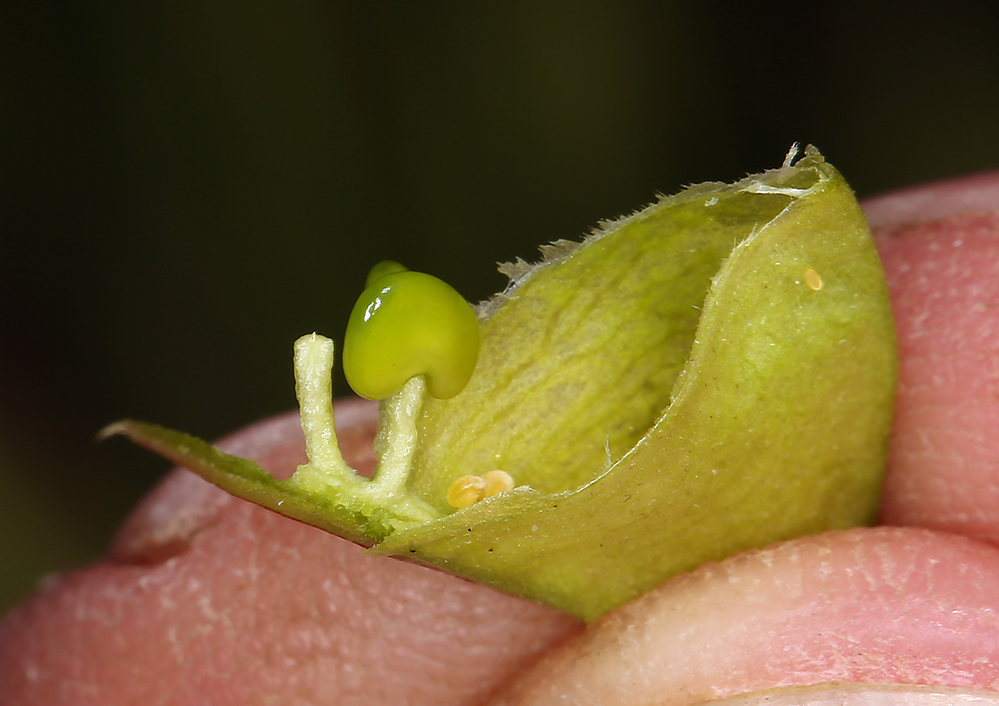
[{"x": 208, "y": 599}]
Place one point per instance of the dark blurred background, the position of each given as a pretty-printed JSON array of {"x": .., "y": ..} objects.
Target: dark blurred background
[{"x": 187, "y": 187}]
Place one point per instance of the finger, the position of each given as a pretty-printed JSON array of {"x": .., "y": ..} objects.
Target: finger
[
  {"x": 891, "y": 605},
  {"x": 213, "y": 600},
  {"x": 974, "y": 193},
  {"x": 943, "y": 274}
]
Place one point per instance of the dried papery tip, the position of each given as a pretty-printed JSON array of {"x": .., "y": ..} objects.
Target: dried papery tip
[
  {"x": 466, "y": 491},
  {"x": 497, "y": 482},
  {"x": 792, "y": 155}
]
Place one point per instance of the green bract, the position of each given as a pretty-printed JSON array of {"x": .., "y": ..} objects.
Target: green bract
[{"x": 713, "y": 373}]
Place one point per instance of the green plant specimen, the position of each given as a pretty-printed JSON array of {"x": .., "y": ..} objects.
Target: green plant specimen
[{"x": 713, "y": 373}]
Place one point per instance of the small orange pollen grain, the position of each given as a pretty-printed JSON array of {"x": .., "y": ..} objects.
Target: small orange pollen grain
[
  {"x": 466, "y": 491},
  {"x": 812, "y": 279},
  {"x": 497, "y": 482}
]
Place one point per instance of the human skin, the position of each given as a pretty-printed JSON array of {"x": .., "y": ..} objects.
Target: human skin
[{"x": 207, "y": 599}]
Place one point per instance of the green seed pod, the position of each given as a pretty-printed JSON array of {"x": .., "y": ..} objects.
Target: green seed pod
[{"x": 407, "y": 324}]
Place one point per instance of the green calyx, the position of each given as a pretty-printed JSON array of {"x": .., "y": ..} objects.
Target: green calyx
[{"x": 713, "y": 373}]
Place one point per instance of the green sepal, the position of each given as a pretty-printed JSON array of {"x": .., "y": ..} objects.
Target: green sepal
[{"x": 777, "y": 428}]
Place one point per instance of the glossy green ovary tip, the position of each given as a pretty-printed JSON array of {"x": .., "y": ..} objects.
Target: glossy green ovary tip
[
  {"x": 383, "y": 269},
  {"x": 407, "y": 324}
]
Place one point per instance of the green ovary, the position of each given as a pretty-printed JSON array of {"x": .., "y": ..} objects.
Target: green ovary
[
  {"x": 407, "y": 324},
  {"x": 383, "y": 269}
]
